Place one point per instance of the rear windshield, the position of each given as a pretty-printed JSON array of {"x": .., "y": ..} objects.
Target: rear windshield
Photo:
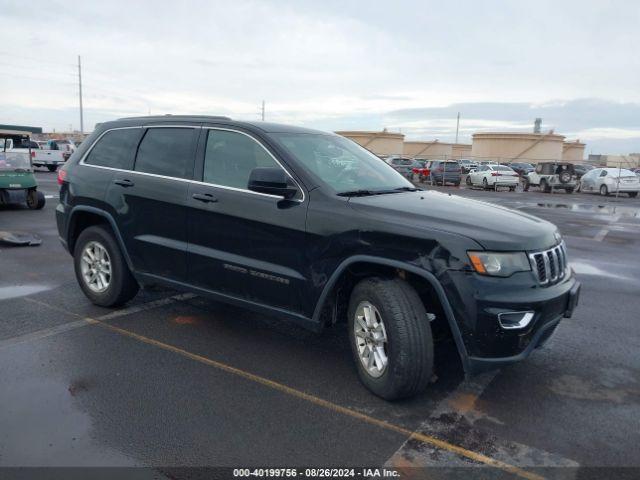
[{"x": 502, "y": 168}]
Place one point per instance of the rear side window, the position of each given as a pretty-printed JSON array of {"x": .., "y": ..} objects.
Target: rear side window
[
  {"x": 167, "y": 152},
  {"x": 230, "y": 157},
  {"x": 116, "y": 149}
]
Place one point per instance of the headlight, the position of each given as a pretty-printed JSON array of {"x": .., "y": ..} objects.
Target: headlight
[{"x": 499, "y": 264}]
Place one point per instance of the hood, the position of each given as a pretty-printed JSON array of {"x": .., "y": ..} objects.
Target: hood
[{"x": 492, "y": 226}]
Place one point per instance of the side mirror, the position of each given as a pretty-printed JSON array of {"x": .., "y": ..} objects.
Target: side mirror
[{"x": 271, "y": 180}]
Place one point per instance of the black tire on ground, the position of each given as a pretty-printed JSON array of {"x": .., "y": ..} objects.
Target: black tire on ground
[
  {"x": 512, "y": 189},
  {"x": 544, "y": 186},
  {"x": 457, "y": 184},
  {"x": 35, "y": 199},
  {"x": 52, "y": 168},
  {"x": 468, "y": 180},
  {"x": 485, "y": 184},
  {"x": 525, "y": 186},
  {"x": 604, "y": 191},
  {"x": 122, "y": 286},
  {"x": 578, "y": 187},
  {"x": 568, "y": 190},
  {"x": 409, "y": 345},
  {"x": 633, "y": 194}
]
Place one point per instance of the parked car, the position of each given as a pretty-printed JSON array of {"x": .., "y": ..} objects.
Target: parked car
[
  {"x": 257, "y": 215},
  {"x": 521, "y": 168},
  {"x": 581, "y": 169},
  {"x": 487, "y": 162},
  {"x": 467, "y": 165},
  {"x": 636, "y": 171},
  {"x": 610, "y": 180},
  {"x": 493, "y": 176},
  {"x": 403, "y": 166},
  {"x": 443, "y": 172},
  {"x": 551, "y": 176},
  {"x": 420, "y": 169}
]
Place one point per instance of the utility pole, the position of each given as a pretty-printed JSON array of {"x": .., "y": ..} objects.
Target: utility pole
[
  {"x": 263, "y": 110},
  {"x": 80, "y": 95},
  {"x": 457, "y": 126}
]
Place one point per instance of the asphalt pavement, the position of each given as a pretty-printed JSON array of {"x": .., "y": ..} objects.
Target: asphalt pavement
[{"x": 174, "y": 380}]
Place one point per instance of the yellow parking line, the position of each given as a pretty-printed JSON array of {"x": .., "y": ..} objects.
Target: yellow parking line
[{"x": 428, "y": 439}]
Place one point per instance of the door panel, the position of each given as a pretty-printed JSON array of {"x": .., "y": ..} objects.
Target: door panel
[{"x": 247, "y": 245}]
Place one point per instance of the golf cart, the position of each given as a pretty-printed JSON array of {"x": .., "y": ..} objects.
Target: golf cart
[{"x": 17, "y": 181}]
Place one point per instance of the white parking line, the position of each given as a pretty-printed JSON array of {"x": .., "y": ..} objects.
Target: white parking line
[
  {"x": 601, "y": 234},
  {"x": 66, "y": 327}
]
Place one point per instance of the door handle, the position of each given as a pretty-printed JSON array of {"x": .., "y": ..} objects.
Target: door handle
[
  {"x": 124, "y": 182},
  {"x": 204, "y": 197}
]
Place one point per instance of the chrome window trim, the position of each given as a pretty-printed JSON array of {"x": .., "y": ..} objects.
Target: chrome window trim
[{"x": 197, "y": 182}]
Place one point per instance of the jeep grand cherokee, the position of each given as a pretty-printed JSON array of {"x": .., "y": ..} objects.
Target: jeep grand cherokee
[{"x": 314, "y": 229}]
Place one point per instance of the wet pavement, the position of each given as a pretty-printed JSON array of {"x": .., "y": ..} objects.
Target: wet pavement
[{"x": 176, "y": 380}]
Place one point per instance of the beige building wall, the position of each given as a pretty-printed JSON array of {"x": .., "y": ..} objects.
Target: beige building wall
[
  {"x": 381, "y": 143},
  {"x": 507, "y": 146},
  {"x": 461, "y": 150},
  {"x": 623, "y": 161},
  {"x": 427, "y": 150},
  {"x": 573, "y": 151}
]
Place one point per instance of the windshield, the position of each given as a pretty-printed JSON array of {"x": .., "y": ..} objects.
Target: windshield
[
  {"x": 342, "y": 164},
  {"x": 14, "y": 162}
]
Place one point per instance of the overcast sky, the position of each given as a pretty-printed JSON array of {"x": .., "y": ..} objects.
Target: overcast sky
[{"x": 403, "y": 65}]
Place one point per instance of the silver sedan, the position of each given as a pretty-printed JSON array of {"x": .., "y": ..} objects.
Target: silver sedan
[{"x": 610, "y": 180}]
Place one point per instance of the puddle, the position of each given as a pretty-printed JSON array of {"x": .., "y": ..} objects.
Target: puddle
[
  {"x": 21, "y": 291},
  {"x": 622, "y": 211}
]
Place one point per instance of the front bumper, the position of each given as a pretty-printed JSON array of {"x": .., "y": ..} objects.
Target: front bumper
[{"x": 477, "y": 301}]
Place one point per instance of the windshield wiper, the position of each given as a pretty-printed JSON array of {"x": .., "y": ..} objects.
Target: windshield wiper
[
  {"x": 366, "y": 193},
  {"x": 357, "y": 193}
]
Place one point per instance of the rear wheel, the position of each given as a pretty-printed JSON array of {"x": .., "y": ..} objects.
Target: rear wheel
[
  {"x": 604, "y": 191},
  {"x": 633, "y": 194},
  {"x": 468, "y": 181},
  {"x": 544, "y": 186},
  {"x": 390, "y": 337},
  {"x": 35, "y": 200},
  {"x": 101, "y": 270},
  {"x": 568, "y": 190},
  {"x": 52, "y": 168},
  {"x": 525, "y": 185}
]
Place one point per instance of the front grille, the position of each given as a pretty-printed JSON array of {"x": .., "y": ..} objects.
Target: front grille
[{"x": 550, "y": 266}]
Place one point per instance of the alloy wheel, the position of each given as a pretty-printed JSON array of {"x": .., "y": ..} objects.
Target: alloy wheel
[
  {"x": 95, "y": 266},
  {"x": 371, "y": 339}
]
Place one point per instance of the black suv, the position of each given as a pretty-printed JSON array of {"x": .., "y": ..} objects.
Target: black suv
[{"x": 314, "y": 229}]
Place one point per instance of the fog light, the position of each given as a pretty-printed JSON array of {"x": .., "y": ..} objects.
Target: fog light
[{"x": 513, "y": 320}]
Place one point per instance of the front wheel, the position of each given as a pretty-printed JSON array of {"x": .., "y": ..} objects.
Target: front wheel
[
  {"x": 633, "y": 194},
  {"x": 568, "y": 190},
  {"x": 390, "y": 338},
  {"x": 604, "y": 191},
  {"x": 35, "y": 200},
  {"x": 101, "y": 269},
  {"x": 544, "y": 186},
  {"x": 468, "y": 181},
  {"x": 525, "y": 185},
  {"x": 52, "y": 168},
  {"x": 485, "y": 184}
]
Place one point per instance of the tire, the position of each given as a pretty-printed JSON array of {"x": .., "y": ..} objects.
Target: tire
[
  {"x": 604, "y": 191},
  {"x": 633, "y": 194},
  {"x": 409, "y": 345},
  {"x": 512, "y": 189},
  {"x": 121, "y": 287},
  {"x": 569, "y": 190},
  {"x": 468, "y": 181},
  {"x": 52, "y": 168},
  {"x": 35, "y": 200},
  {"x": 485, "y": 184},
  {"x": 578, "y": 187},
  {"x": 525, "y": 186},
  {"x": 457, "y": 184},
  {"x": 544, "y": 186}
]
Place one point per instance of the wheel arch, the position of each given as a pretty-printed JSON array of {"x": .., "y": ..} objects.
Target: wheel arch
[
  {"x": 328, "y": 300},
  {"x": 83, "y": 217}
]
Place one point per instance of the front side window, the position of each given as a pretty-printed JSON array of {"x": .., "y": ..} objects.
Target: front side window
[
  {"x": 167, "y": 151},
  {"x": 115, "y": 149},
  {"x": 231, "y": 156},
  {"x": 341, "y": 163}
]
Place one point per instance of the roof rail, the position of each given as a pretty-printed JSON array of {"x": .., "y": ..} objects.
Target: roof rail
[{"x": 177, "y": 117}]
